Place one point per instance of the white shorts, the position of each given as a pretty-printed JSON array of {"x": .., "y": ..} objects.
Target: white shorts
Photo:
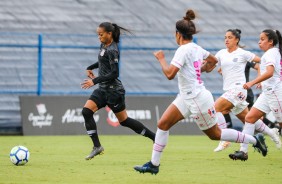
[
  {"x": 201, "y": 109},
  {"x": 270, "y": 102},
  {"x": 237, "y": 97}
]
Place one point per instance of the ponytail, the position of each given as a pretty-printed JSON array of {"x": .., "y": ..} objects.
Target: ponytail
[
  {"x": 279, "y": 41},
  {"x": 115, "y": 29}
]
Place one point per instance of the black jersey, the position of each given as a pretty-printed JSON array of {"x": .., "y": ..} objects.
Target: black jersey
[
  {"x": 249, "y": 65},
  {"x": 247, "y": 69},
  {"x": 108, "y": 59}
]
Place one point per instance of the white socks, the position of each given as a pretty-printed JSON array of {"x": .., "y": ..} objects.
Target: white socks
[
  {"x": 236, "y": 136},
  {"x": 161, "y": 140},
  {"x": 258, "y": 126},
  {"x": 248, "y": 129},
  {"x": 221, "y": 120},
  {"x": 262, "y": 128}
]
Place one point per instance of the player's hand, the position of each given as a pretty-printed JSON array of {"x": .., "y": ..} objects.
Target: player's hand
[
  {"x": 90, "y": 74},
  {"x": 248, "y": 85},
  {"x": 159, "y": 55},
  {"x": 88, "y": 83}
]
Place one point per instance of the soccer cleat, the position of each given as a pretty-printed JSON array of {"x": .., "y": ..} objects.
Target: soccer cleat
[
  {"x": 147, "y": 168},
  {"x": 260, "y": 146},
  {"x": 96, "y": 151},
  {"x": 239, "y": 155},
  {"x": 276, "y": 138},
  {"x": 222, "y": 146}
]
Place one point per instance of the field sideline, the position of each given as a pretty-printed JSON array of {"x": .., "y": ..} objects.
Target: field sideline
[{"x": 187, "y": 159}]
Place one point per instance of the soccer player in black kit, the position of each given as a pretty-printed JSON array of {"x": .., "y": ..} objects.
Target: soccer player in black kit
[{"x": 111, "y": 91}]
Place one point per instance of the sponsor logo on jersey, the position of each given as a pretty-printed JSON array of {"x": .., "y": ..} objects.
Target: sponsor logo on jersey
[
  {"x": 235, "y": 59},
  {"x": 102, "y": 52}
]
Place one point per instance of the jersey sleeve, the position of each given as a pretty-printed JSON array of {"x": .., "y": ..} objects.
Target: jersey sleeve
[
  {"x": 178, "y": 58},
  {"x": 270, "y": 59},
  {"x": 112, "y": 75},
  {"x": 217, "y": 56},
  {"x": 113, "y": 56},
  {"x": 205, "y": 53},
  {"x": 248, "y": 56},
  {"x": 93, "y": 66}
]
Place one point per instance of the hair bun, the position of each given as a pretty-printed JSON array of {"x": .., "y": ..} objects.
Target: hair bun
[
  {"x": 190, "y": 15},
  {"x": 238, "y": 30}
]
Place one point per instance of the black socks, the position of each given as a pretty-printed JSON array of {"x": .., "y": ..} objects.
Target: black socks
[
  {"x": 138, "y": 127},
  {"x": 91, "y": 126}
]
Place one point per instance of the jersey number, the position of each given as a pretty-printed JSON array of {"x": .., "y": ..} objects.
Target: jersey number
[{"x": 197, "y": 66}]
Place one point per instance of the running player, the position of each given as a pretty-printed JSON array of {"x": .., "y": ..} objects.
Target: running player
[
  {"x": 111, "y": 91},
  {"x": 232, "y": 61},
  {"x": 194, "y": 99},
  {"x": 270, "y": 80}
]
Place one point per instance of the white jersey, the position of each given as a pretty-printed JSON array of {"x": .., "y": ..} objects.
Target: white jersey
[
  {"x": 188, "y": 58},
  {"x": 233, "y": 67},
  {"x": 271, "y": 57}
]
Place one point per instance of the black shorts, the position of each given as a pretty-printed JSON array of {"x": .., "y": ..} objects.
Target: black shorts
[
  {"x": 113, "y": 99},
  {"x": 250, "y": 98}
]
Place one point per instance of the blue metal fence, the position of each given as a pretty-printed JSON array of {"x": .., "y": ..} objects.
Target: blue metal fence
[{"x": 40, "y": 42}]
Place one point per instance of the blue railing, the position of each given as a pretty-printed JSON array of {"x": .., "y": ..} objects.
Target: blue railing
[{"x": 39, "y": 42}]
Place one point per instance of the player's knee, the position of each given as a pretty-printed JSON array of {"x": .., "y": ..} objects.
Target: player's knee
[
  {"x": 87, "y": 113},
  {"x": 250, "y": 119},
  {"x": 163, "y": 125}
]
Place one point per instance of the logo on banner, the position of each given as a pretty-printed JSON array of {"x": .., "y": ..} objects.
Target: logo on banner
[
  {"x": 135, "y": 114},
  {"x": 42, "y": 119},
  {"x": 75, "y": 116}
]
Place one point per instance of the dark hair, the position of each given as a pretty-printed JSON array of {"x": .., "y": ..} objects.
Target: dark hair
[
  {"x": 114, "y": 28},
  {"x": 186, "y": 26},
  {"x": 275, "y": 36},
  {"x": 237, "y": 34}
]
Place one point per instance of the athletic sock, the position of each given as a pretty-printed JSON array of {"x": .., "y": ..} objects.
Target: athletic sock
[
  {"x": 91, "y": 126},
  {"x": 138, "y": 127},
  {"x": 221, "y": 120},
  {"x": 248, "y": 129},
  {"x": 161, "y": 141},
  {"x": 261, "y": 127},
  {"x": 236, "y": 136}
]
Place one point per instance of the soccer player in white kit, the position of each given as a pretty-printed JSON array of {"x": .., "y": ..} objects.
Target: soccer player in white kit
[
  {"x": 270, "y": 79},
  {"x": 193, "y": 100},
  {"x": 232, "y": 62}
]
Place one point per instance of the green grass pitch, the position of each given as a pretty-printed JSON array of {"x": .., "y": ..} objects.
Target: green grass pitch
[{"x": 186, "y": 159}]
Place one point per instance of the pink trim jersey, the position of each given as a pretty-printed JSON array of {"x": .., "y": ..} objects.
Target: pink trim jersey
[
  {"x": 271, "y": 57},
  {"x": 233, "y": 67},
  {"x": 188, "y": 58}
]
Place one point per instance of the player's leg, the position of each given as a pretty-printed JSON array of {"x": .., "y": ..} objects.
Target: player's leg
[
  {"x": 116, "y": 102},
  {"x": 222, "y": 105},
  {"x": 134, "y": 125},
  {"x": 249, "y": 128},
  {"x": 170, "y": 117},
  {"x": 264, "y": 104},
  {"x": 231, "y": 135},
  {"x": 95, "y": 102},
  {"x": 205, "y": 119},
  {"x": 275, "y": 104},
  {"x": 228, "y": 120}
]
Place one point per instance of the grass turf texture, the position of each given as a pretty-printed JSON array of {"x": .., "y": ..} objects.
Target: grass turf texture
[{"x": 186, "y": 159}]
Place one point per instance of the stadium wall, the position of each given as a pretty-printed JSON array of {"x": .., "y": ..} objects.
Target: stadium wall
[{"x": 61, "y": 115}]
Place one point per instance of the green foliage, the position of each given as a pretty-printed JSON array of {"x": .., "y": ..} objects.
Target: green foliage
[{"x": 186, "y": 159}]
